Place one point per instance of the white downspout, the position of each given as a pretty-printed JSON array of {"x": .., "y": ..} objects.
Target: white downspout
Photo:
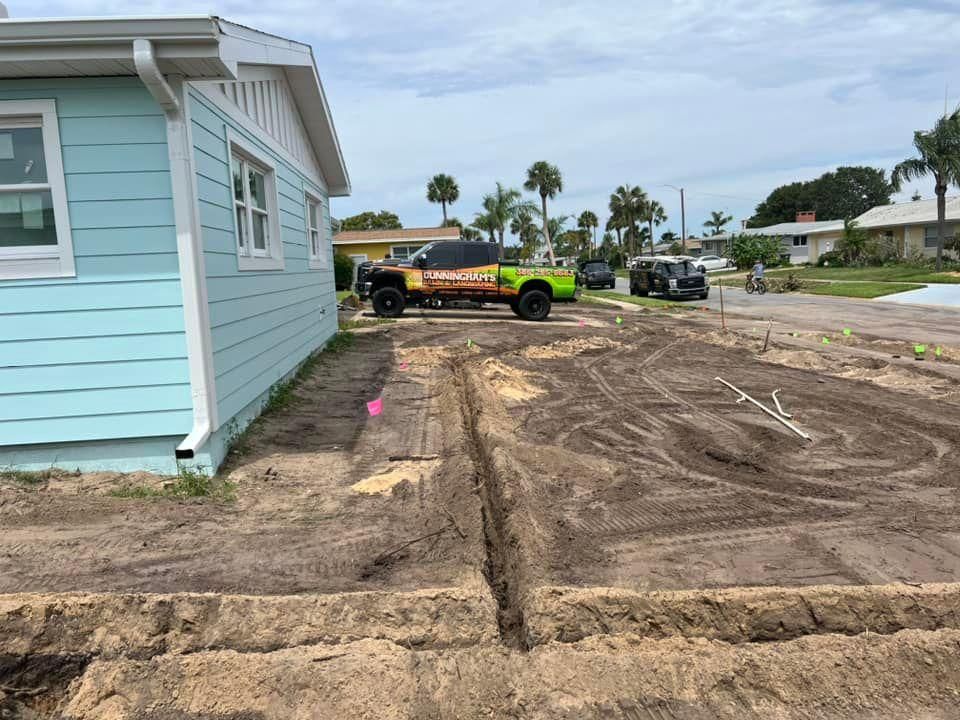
[{"x": 190, "y": 254}]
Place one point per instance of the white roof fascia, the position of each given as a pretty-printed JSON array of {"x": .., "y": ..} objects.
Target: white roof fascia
[{"x": 395, "y": 241}]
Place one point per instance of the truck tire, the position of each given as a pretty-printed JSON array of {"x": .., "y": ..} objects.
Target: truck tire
[
  {"x": 515, "y": 307},
  {"x": 643, "y": 293},
  {"x": 533, "y": 305},
  {"x": 388, "y": 302}
]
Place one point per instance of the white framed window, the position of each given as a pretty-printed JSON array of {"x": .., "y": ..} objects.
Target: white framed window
[
  {"x": 256, "y": 211},
  {"x": 403, "y": 252},
  {"x": 799, "y": 240},
  {"x": 35, "y": 238},
  {"x": 317, "y": 247}
]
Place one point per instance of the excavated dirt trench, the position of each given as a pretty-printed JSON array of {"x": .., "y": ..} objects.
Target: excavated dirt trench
[{"x": 585, "y": 510}]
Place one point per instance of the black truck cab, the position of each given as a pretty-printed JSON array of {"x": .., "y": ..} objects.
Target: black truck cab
[{"x": 671, "y": 277}]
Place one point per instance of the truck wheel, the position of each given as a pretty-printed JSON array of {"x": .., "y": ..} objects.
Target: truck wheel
[
  {"x": 634, "y": 290},
  {"x": 644, "y": 293},
  {"x": 388, "y": 302},
  {"x": 515, "y": 307},
  {"x": 704, "y": 296},
  {"x": 533, "y": 305}
]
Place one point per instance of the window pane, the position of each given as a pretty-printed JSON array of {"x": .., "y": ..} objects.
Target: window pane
[
  {"x": 476, "y": 255},
  {"x": 237, "y": 170},
  {"x": 443, "y": 256},
  {"x": 315, "y": 243},
  {"x": 21, "y": 156},
  {"x": 312, "y": 214},
  {"x": 259, "y": 232},
  {"x": 258, "y": 191},
  {"x": 27, "y": 219},
  {"x": 241, "y": 227}
]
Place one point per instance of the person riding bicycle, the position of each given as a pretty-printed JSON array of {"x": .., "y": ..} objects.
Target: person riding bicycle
[{"x": 756, "y": 274}]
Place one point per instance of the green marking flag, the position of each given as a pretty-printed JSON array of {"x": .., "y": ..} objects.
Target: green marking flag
[
  {"x": 939, "y": 351},
  {"x": 847, "y": 331},
  {"x": 795, "y": 334},
  {"x": 825, "y": 340},
  {"x": 619, "y": 320},
  {"x": 919, "y": 349},
  {"x": 469, "y": 342}
]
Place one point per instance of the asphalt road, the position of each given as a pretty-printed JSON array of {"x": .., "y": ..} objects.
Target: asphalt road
[{"x": 821, "y": 313}]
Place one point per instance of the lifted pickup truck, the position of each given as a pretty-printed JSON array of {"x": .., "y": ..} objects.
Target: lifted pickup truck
[
  {"x": 671, "y": 277},
  {"x": 447, "y": 271}
]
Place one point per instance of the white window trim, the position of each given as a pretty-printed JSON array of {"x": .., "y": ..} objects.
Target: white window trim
[
  {"x": 273, "y": 260},
  {"x": 42, "y": 261},
  {"x": 321, "y": 260}
]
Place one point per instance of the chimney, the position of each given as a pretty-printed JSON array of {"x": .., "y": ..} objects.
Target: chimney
[{"x": 807, "y": 216}]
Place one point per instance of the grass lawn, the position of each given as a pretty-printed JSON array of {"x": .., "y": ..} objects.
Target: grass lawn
[
  {"x": 633, "y": 299},
  {"x": 859, "y": 289},
  {"x": 894, "y": 273},
  {"x": 341, "y": 294}
]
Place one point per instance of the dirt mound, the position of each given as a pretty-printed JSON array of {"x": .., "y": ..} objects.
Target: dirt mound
[
  {"x": 509, "y": 382},
  {"x": 567, "y": 348},
  {"x": 384, "y": 481},
  {"x": 425, "y": 356},
  {"x": 740, "y": 615}
]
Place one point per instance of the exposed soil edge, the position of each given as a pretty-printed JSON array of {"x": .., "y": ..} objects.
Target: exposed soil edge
[
  {"x": 503, "y": 569},
  {"x": 143, "y": 625},
  {"x": 739, "y": 615},
  {"x": 911, "y": 674}
]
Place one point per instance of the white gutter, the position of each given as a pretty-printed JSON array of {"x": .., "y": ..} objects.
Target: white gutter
[{"x": 190, "y": 254}]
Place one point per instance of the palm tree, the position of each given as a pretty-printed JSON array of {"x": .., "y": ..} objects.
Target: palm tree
[
  {"x": 544, "y": 178},
  {"x": 502, "y": 205},
  {"x": 615, "y": 223},
  {"x": 626, "y": 203},
  {"x": 652, "y": 213},
  {"x": 443, "y": 189},
  {"x": 588, "y": 221},
  {"x": 523, "y": 227},
  {"x": 939, "y": 155},
  {"x": 606, "y": 245},
  {"x": 668, "y": 237},
  {"x": 485, "y": 222},
  {"x": 717, "y": 221}
]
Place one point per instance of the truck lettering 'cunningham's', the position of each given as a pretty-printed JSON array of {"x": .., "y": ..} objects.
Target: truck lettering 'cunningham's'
[{"x": 442, "y": 272}]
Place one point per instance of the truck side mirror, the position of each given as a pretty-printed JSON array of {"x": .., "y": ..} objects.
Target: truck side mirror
[{"x": 422, "y": 261}]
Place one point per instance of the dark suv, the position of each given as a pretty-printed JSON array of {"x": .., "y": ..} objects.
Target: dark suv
[
  {"x": 596, "y": 273},
  {"x": 670, "y": 277}
]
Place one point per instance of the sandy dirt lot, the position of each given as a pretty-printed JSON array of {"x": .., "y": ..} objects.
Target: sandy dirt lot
[{"x": 536, "y": 498}]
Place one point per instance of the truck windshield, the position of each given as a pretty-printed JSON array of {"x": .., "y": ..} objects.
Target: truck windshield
[
  {"x": 596, "y": 267},
  {"x": 413, "y": 258},
  {"x": 684, "y": 267}
]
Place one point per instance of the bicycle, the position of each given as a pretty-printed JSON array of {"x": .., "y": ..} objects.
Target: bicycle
[{"x": 755, "y": 285}]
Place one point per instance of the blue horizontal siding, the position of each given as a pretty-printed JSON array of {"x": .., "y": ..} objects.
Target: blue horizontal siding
[
  {"x": 89, "y": 376},
  {"x": 101, "y": 355},
  {"x": 82, "y": 428},
  {"x": 263, "y": 324}
]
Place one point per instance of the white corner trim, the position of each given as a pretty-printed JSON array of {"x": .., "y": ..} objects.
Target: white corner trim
[
  {"x": 240, "y": 145},
  {"x": 209, "y": 92},
  {"x": 43, "y": 261},
  {"x": 193, "y": 279}
]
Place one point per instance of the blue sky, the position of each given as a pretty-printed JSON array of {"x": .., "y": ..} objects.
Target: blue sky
[{"x": 728, "y": 98}]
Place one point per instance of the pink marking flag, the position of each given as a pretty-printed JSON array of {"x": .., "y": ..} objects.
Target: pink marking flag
[
  {"x": 582, "y": 323},
  {"x": 375, "y": 407},
  {"x": 404, "y": 366}
]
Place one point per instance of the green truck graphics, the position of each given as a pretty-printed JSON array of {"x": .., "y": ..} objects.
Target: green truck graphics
[{"x": 443, "y": 272}]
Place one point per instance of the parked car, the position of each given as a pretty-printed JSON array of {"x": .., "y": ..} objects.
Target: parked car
[
  {"x": 671, "y": 277},
  {"x": 596, "y": 273},
  {"x": 713, "y": 262}
]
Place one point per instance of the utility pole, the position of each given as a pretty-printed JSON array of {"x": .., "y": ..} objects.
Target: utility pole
[{"x": 683, "y": 225}]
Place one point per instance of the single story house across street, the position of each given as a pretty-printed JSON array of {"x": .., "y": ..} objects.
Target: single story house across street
[
  {"x": 911, "y": 225},
  {"x": 165, "y": 244},
  {"x": 372, "y": 245}
]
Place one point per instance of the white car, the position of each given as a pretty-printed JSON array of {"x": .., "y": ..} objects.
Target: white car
[{"x": 712, "y": 262}]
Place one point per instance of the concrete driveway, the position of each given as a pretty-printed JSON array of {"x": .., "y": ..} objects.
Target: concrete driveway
[
  {"x": 945, "y": 294},
  {"x": 922, "y": 324}
]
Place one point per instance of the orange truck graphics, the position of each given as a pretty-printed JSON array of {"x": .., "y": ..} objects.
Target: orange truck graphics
[{"x": 448, "y": 271}]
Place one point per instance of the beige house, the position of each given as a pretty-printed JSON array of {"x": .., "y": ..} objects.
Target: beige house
[
  {"x": 911, "y": 225},
  {"x": 804, "y": 240}
]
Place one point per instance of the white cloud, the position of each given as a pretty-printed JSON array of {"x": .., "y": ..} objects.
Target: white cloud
[{"x": 727, "y": 97}]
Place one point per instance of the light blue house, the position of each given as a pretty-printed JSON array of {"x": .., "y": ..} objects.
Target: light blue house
[{"x": 165, "y": 244}]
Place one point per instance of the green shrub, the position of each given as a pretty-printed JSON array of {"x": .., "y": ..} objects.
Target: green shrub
[
  {"x": 342, "y": 271},
  {"x": 831, "y": 258},
  {"x": 747, "y": 248}
]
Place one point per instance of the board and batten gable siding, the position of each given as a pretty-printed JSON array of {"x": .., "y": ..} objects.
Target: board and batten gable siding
[
  {"x": 101, "y": 355},
  {"x": 263, "y": 323}
]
